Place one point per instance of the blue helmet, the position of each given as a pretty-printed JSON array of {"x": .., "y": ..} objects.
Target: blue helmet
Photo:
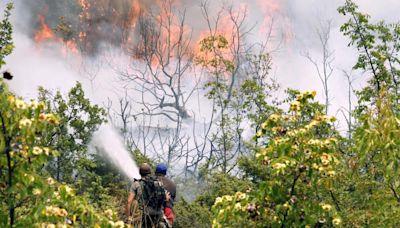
[{"x": 161, "y": 168}]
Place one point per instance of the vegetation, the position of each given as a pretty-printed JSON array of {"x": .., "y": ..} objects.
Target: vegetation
[{"x": 297, "y": 171}]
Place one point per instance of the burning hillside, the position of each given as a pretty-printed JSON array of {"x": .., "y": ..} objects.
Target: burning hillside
[{"x": 86, "y": 25}]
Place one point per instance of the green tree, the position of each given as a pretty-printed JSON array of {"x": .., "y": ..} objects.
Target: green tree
[
  {"x": 79, "y": 119},
  {"x": 6, "y": 43},
  {"x": 28, "y": 196},
  {"x": 300, "y": 159},
  {"x": 378, "y": 45}
]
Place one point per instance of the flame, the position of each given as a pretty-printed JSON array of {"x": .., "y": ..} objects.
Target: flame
[
  {"x": 45, "y": 33},
  {"x": 134, "y": 13},
  {"x": 116, "y": 22}
]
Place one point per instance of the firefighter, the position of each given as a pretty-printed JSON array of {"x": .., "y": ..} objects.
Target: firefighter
[
  {"x": 170, "y": 187},
  {"x": 145, "y": 200}
]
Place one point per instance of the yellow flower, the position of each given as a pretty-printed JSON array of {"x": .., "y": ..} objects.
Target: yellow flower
[
  {"x": 69, "y": 190},
  {"x": 34, "y": 105},
  {"x": 20, "y": 104},
  {"x": 238, "y": 207},
  {"x": 36, "y": 192},
  {"x": 52, "y": 119},
  {"x": 42, "y": 117},
  {"x": 51, "y": 181},
  {"x": 240, "y": 195},
  {"x": 274, "y": 117},
  {"x": 11, "y": 99},
  {"x": 24, "y": 122},
  {"x": 264, "y": 125},
  {"x": 286, "y": 205},
  {"x": 325, "y": 159},
  {"x": 227, "y": 198},
  {"x": 336, "y": 221},
  {"x": 50, "y": 210},
  {"x": 279, "y": 166},
  {"x": 295, "y": 106},
  {"x": 307, "y": 152},
  {"x": 108, "y": 212},
  {"x": 221, "y": 212},
  {"x": 37, "y": 150},
  {"x": 331, "y": 173},
  {"x": 56, "y": 195},
  {"x": 326, "y": 207},
  {"x": 120, "y": 224},
  {"x": 111, "y": 223},
  {"x": 31, "y": 178},
  {"x": 62, "y": 212},
  {"x": 46, "y": 150},
  {"x": 310, "y": 93},
  {"x": 50, "y": 226}
]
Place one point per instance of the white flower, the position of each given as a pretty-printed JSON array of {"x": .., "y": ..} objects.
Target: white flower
[
  {"x": 36, "y": 192},
  {"x": 24, "y": 122},
  {"x": 336, "y": 221},
  {"x": 34, "y": 105},
  {"x": 120, "y": 224},
  {"x": 326, "y": 207},
  {"x": 20, "y": 104},
  {"x": 37, "y": 150}
]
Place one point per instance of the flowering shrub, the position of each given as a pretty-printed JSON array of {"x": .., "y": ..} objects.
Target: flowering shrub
[
  {"x": 27, "y": 196},
  {"x": 300, "y": 158}
]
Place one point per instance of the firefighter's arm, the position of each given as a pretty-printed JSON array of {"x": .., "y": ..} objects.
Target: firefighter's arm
[{"x": 131, "y": 197}]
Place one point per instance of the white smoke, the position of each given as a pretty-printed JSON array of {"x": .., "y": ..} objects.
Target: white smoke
[{"x": 107, "y": 141}]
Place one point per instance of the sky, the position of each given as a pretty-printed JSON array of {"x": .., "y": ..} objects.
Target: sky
[{"x": 35, "y": 66}]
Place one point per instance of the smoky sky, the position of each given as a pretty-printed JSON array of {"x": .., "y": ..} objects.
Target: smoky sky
[{"x": 289, "y": 67}]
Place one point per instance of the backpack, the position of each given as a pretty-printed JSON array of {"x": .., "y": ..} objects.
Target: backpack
[{"x": 153, "y": 195}]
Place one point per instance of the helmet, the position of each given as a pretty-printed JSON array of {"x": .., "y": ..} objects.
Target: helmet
[
  {"x": 161, "y": 169},
  {"x": 144, "y": 169}
]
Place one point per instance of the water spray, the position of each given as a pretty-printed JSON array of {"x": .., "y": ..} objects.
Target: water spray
[{"x": 111, "y": 144}]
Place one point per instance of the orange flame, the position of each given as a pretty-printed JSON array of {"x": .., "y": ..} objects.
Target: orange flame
[{"x": 45, "y": 33}]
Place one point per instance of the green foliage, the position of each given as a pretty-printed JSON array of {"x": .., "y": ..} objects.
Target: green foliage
[
  {"x": 191, "y": 215},
  {"x": 221, "y": 184},
  {"x": 300, "y": 162},
  {"x": 378, "y": 45},
  {"x": 78, "y": 120},
  {"x": 27, "y": 196},
  {"x": 6, "y": 43},
  {"x": 371, "y": 183}
]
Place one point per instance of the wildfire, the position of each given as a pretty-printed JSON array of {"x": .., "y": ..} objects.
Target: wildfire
[
  {"x": 45, "y": 33},
  {"x": 116, "y": 22}
]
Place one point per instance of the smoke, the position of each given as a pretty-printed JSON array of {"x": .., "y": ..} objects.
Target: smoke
[
  {"x": 107, "y": 141},
  {"x": 44, "y": 65}
]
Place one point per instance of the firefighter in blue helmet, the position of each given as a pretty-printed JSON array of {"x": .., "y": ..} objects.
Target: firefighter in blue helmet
[{"x": 170, "y": 187}]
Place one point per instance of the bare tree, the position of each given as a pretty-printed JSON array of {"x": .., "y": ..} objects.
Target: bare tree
[
  {"x": 160, "y": 71},
  {"x": 347, "y": 112},
  {"x": 324, "y": 67}
]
